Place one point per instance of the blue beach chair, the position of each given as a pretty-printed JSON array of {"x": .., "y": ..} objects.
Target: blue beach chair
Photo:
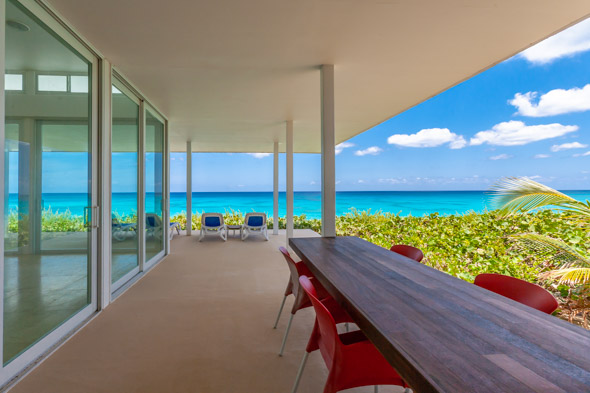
[
  {"x": 254, "y": 223},
  {"x": 212, "y": 223}
]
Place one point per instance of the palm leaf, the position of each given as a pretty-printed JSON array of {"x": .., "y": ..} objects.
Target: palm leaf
[
  {"x": 552, "y": 249},
  {"x": 521, "y": 194},
  {"x": 570, "y": 276}
]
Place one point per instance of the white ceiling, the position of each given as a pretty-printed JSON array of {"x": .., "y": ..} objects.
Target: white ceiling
[
  {"x": 228, "y": 73},
  {"x": 37, "y": 49}
]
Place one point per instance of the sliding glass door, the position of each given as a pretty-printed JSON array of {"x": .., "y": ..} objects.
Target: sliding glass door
[
  {"x": 124, "y": 185},
  {"x": 51, "y": 195},
  {"x": 154, "y": 185},
  {"x": 50, "y": 211}
]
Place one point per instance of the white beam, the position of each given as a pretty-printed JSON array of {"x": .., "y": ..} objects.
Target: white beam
[
  {"x": 275, "y": 190},
  {"x": 189, "y": 188},
  {"x": 328, "y": 154},
  {"x": 289, "y": 160}
]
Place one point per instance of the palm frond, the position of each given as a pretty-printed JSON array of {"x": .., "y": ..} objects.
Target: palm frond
[
  {"x": 552, "y": 249},
  {"x": 571, "y": 276},
  {"x": 521, "y": 194}
]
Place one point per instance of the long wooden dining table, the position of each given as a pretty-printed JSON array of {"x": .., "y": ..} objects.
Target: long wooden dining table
[{"x": 443, "y": 334}]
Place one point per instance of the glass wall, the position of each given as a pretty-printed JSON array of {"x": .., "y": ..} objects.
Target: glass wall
[
  {"x": 154, "y": 185},
  {"x": 48, "y": 183},
  {"x": 124, "y": 185}
]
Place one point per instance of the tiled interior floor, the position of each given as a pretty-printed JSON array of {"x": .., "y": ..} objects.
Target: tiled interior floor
[
  {"x": 200, "y": 321},
  {"x": 43, "y": 291}
]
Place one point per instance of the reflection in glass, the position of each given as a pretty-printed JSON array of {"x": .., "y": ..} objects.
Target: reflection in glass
[
  {"x": 125, "y": 137},
  {"x": 48, "y": 184},
  {"x": 154, "y": 175},
  {"x": 52, "y": 83},
  {"x": 78, "y": 84},
  {"x": 13, "y": 82}
]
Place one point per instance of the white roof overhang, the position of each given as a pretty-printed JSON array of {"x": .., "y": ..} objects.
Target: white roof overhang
[{"x": 228, "y": 74}]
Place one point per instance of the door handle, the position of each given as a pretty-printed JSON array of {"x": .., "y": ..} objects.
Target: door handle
[
  {"x": 95, "y": 217},
  {"x": 91, "y": 220}
]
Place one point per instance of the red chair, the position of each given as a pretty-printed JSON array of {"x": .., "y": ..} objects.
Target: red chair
[
  {"x": 301, "y": 300},
  {"x": 408, "y": 251},
  {"x": 351, "y": 358},
  {"x": 521, "y": 291}
]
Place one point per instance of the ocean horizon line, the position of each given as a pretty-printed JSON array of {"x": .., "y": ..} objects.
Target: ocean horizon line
[{"x": 304, "y": 191}]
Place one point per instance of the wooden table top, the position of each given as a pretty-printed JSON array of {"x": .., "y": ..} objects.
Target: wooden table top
[{"x": 443, "y": 334}]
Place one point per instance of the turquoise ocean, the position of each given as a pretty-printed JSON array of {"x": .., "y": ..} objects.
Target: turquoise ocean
[{"x": 415, "y": 203}]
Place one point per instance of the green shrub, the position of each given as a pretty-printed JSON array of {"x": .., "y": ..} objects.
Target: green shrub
[{"x": 462, "y": 245}]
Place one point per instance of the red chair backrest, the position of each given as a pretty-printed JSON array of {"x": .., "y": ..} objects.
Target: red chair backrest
[
  {"x": 521, "y": 291},
  {"x": 408, "y": 251},
  {"x": 328, "y": 340},
  {"x": 293, "y": 269}
]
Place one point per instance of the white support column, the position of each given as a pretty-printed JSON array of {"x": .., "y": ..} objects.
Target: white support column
[
  {"x": 189, "y": 188},
  {"x": 289, "y": 160},
  {"x": 328, "y": 154},
  {"x": 275, "y": 190}
]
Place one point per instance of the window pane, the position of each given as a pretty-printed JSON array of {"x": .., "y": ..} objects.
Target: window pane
[
  {"x": 116, "y": 91},
  {"x": 13, "y": 82},
  {"x": 125, "y": 140},
  {"x": 48, "y": 181},
  {"x": 52, "y": 83},
  {"x": 79, "y": 84}
]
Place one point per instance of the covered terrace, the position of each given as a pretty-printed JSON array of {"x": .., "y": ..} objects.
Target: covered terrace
[{"x": 111, "y": 88}]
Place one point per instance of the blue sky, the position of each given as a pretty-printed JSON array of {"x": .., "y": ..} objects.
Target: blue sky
[{"x": 528, "y": 116}]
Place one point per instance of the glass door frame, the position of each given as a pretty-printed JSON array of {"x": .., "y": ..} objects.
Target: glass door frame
[
  {"x": 27, "y": 357},
  {"x": 119, "y": 84},
  {"x": 147, "y": 264}
]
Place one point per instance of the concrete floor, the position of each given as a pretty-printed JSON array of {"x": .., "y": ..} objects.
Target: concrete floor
[{"x": 200, "y": 321}]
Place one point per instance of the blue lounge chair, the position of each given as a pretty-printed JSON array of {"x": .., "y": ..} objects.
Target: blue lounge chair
[
  {"x": 212, "y": 223},
  {"x": 254, "y": 223}
]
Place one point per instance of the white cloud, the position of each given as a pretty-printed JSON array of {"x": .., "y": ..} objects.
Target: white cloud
[
  {"x": 311, "y": 183},
  {"x": 569, "y": 42},
  {"x": 259, "y": 155},
  {"x": 542, "y": 156},
  {"x": 582, "y": 154},
  {"x": 515, "y": 133},
  {"x": 500, "y": 157},
  {"x": 535, "y": 177},
  {"x": 429, "y": 137},
  {"x": 393, "y": 180},
  {"x": 567, "y": 146},
  {"x": 555, "y": 102},
  {"x": 373, "y": 151},
  {"x": 341, "y": 146},
  {"x": 361, "y": 181}
]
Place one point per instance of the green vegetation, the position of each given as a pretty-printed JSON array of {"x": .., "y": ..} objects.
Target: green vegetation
[{"x": 50, "y": 221}]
